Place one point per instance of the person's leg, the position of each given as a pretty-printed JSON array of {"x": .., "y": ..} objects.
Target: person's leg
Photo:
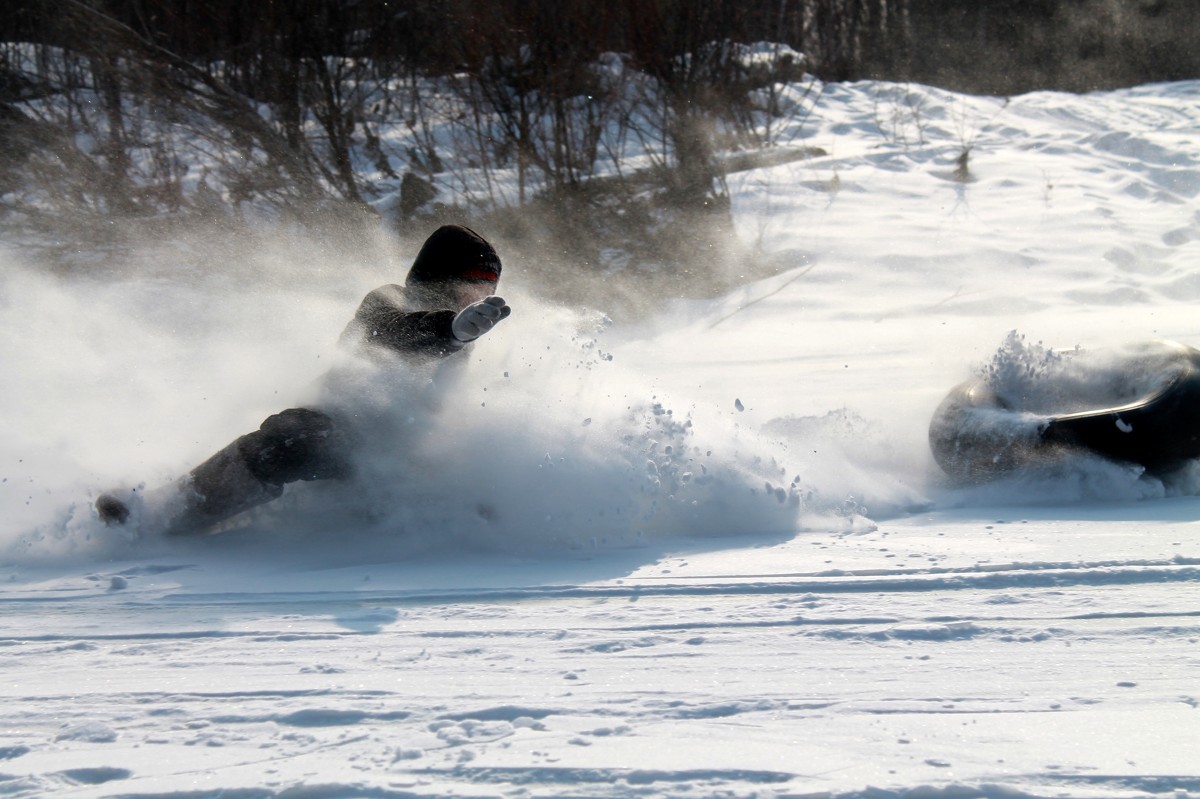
[
  {"x": 297, "y": 444},
  {"x": 221, "y": 487}
]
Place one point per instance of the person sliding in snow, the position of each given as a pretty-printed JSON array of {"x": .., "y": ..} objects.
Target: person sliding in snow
[{"x": 447, "y": 301}]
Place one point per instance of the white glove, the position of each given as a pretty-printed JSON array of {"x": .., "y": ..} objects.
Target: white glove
[{"x": 478, "y": 318}]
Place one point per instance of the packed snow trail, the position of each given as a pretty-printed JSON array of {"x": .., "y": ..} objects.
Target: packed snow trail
[{"x": 899, "y": 658}]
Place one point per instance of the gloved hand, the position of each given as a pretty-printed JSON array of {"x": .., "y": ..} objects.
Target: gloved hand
[{"x": 478, "y": 318}]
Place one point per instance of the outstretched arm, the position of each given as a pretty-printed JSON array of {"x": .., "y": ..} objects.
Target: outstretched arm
[{"x": 382, "y": 320}]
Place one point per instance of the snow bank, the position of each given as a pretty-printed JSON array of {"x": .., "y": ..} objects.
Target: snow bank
[{"x": 541, "y": 438}]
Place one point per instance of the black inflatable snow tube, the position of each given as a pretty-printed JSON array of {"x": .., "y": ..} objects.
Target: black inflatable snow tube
[{"x": 975, "y": 435}]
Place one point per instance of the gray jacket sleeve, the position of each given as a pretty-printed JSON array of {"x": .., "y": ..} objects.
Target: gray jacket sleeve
[{"x": 385, "y": 320}]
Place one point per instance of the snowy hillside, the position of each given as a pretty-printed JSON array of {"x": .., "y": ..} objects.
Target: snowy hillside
[{"x": 704, "y": 555}]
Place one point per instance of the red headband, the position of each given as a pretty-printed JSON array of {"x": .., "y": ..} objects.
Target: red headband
[{"x": 480, "y": 274}]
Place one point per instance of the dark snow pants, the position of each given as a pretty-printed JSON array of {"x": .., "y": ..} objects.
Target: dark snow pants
[{"x": 297, "y": 444}]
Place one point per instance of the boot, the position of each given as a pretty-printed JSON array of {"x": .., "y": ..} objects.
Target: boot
[{"x": 112, "y": 510}]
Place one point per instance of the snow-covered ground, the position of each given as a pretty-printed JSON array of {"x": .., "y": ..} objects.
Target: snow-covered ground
[{"x": 704, "y": 555}]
